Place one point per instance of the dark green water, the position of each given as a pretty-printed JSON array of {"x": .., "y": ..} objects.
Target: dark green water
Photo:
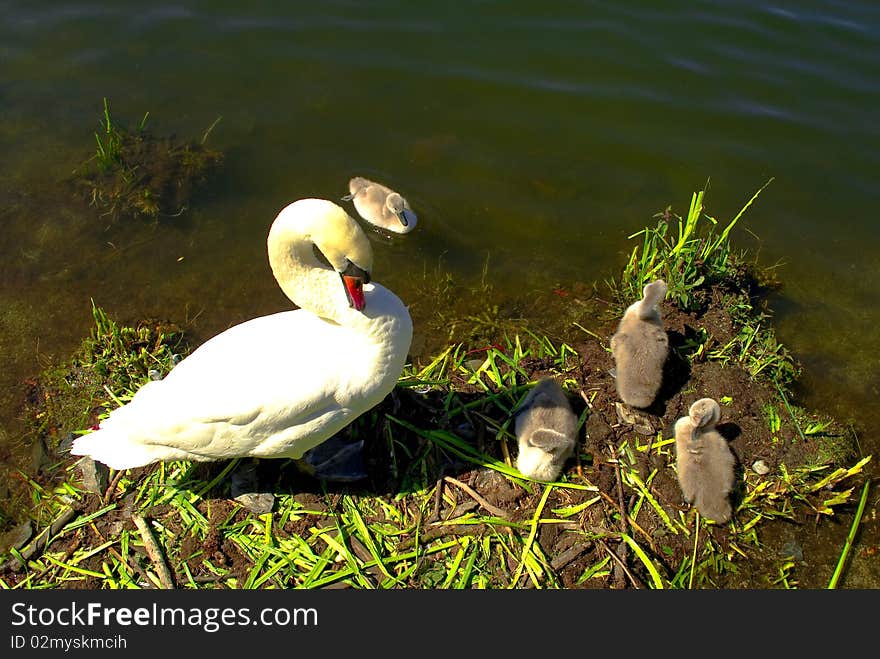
[{"x": 537, "y": 135}]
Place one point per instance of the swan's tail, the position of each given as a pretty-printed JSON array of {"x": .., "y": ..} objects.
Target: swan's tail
[{"x": 114, "y": 450}]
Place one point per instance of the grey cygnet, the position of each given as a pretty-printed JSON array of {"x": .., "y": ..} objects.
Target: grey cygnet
[
  {"x": 545, "y": 429},
  {"x": 640, "y": 348},
  {"x": 704, "y": 461},
  {"x": 380, "y": 205}
]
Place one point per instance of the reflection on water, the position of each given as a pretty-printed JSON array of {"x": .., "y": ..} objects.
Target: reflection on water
[{"x": 537, "y": 136}]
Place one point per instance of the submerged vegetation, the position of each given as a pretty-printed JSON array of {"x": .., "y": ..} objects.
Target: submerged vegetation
[
  {"x": 136, "y": 174},
  {"x": 443, "y": 506}
]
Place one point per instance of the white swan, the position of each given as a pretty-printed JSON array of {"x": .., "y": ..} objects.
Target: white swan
[
  {"x": 278, "y": 385},
  {"x": 704, "y": 461},
  {"x": 640, "y": 347},
  {"x": 545, "y": 429},
  {"x": 380, "y": 206}
]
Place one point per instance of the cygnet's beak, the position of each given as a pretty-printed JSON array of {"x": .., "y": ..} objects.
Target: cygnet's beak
[{"x": 407, "y": 218}]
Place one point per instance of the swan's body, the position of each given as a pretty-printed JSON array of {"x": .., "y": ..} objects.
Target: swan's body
[
  {"x": 704, "y": 461},
  {"x": 640, "y": 347},
  {"x": 545, "y": 429},
  {"x": 380, "y": 205},
  {"x": 278, "y": 385}
]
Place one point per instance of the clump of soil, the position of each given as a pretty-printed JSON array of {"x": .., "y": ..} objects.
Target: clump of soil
[{"x": 137, "y": 174}]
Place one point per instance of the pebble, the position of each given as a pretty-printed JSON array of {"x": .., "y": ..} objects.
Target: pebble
[
  {"x": 257, "y": 503},
  {"x": 760, "y": 467},
  {"x": 95, "y": 475}
]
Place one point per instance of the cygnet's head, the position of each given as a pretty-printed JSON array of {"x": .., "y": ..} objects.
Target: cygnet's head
[
  {"x": 652, "y": 296},
  {"x": 705, "y": 413},
  {"x": 399, "y": 206}
]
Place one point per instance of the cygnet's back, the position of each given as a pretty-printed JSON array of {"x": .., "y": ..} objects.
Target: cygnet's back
[
  {"x": 704, "y": 461},
  {"x": 381, "y": 206},
  {"x": 545, "y": 429},
  {"x": 640, "y": 347}
]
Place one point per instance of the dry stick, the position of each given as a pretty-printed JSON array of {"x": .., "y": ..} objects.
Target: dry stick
[
  {"x": 438, "y": 495},
  {"x": 153, "y": 551},
  {"x": 67, "y": 554},
  {"x": 441, "y": 531},
  {"x": 38, "y": 544},
  {"x": 632, "y": 522},
  {"x": 624, "y": 522},
  {"x": 635, "y": 580},
  {"x": 214, "y": 578},
  {"x": 438, "y": 498},
  {"x": 476, "y": 497},
  {"x": 129, "y": 563},
  {"x": 111, "y": 488}
]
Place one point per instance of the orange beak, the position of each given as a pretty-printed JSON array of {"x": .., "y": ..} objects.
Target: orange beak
[{"x": 354, "y": 287}]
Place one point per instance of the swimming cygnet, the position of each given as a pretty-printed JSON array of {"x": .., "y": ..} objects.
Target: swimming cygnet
[
  {"x": 545, "y": 428},
  {"x": 640, "y": 347},
  {"x": 381, "y": 206},
  {"x": 704, "y": 461}
]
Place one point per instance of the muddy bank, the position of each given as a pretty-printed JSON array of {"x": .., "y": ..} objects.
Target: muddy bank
[{"x": 441, "y": 491}]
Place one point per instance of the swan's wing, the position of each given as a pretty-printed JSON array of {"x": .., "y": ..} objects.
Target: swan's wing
[{"x": 269, "y": 377}]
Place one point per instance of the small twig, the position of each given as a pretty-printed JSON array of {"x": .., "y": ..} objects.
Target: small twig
[
  {"x": 438, "y": 495},
  {"x": 476, "y": 497},
  {"x": 39, "y": 544},
  {"x": 129, "y": 563},
  {"x": 636, "y": 582},
  {"x": 153, "y": 552},
  {"x": 632, "y": 522},
  {"x": 441, "y": 531},
  {"x": 586, "y": 399},
  {"x": 624, "y": 518},
  {"x": 111, "y": 488},
  {"x": 214, "y": 578}
]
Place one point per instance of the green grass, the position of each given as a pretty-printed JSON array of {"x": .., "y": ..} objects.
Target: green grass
[
  {"x": 133, "y": 173},
  {"x": 422, "y": 526},
  {"x": 689, "y": 253}
]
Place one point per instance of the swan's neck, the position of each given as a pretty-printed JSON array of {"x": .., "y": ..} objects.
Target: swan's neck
[{"x": 309, "y": 283}]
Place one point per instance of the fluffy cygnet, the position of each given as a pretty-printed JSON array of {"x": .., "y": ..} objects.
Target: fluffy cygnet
[
  {"x": 640, "y": 347},
  {"x": 381, "y": 206},
  {"x": 545, "y": 428},
  {"x": 704, "y": 461}
]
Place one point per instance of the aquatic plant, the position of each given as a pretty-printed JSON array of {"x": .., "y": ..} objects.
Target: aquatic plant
[
  {"x": 135, "y": 174},
  {"x": 688, "y": 253}
]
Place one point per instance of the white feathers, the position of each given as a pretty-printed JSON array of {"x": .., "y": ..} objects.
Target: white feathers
[{"x": 277, "y": 385}]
